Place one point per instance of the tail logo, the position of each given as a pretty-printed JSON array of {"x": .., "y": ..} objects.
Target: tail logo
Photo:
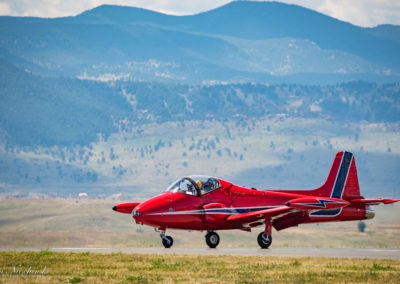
[
  {"x": 321, "y": 203},
  {"x": 338, "y": 187}
]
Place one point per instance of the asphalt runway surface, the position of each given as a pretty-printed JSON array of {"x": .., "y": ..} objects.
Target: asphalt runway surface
[{"x": 250, "y": 251}]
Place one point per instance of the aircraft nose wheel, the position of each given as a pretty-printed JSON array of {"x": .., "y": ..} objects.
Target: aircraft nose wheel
[
  {"x": 264, "y": 241},
  {"x": 167, "y": 241},
  {"x": 212, "y": 239}
]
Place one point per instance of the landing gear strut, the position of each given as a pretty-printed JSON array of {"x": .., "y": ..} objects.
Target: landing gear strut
[
  {"x": 264, "y": 239},
  {"x": 212, "y": 239},
  {"x": 167, "y": 241}
]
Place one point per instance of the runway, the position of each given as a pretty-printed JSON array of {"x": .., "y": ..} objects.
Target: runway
[{"x": 245, "y": 251}]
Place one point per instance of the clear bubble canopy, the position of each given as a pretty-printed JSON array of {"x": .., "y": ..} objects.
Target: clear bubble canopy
[{"x": 196, "y": 185}]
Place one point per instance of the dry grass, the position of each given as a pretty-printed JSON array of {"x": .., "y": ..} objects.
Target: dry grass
[{"x": 17, "y": 267}]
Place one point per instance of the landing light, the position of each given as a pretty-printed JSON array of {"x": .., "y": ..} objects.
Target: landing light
[{"x": 135, "y": 213}]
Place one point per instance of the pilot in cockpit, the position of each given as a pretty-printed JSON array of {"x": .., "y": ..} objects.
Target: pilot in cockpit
[{"x": 200, "y": 184}]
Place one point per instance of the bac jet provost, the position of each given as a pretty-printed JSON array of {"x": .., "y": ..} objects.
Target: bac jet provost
[{"x": 209, "y": 204}]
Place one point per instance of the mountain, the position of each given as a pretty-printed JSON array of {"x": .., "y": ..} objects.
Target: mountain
[
  {"x": 263, "y": 20},
  {"x": 266, "y": 42}
]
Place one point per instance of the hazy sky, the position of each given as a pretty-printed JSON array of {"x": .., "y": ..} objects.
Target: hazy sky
[{"x": 358, "y": 12}]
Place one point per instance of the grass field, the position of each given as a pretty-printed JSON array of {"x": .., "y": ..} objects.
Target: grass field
[
  {"x": 50, "y": 267},
  {"x": 90, "y": 223}
]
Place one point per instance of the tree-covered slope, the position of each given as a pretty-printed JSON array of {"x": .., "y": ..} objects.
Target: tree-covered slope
[
  {"x": 60, "y": 111},
  {"x": 48, "y": 111}
]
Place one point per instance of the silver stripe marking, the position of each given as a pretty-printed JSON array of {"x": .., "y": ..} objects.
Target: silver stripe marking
[{"x": 206, "y": 211}]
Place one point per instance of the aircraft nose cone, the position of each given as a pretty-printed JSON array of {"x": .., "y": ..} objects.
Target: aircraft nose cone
[
  {"x": 114, "y": 208},
  {"x": 151, "y": 211}
]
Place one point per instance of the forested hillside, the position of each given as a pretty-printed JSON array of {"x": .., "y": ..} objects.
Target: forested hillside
[
  {"x": 56, "y": 111},
  {"x": 38, "y": 111}
]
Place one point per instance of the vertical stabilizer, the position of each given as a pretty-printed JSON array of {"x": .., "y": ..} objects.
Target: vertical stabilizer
[
  {"x": 352, "y": 188},
  {"x": 342, "y": 183},
  {"x": 342, "y": 180}
]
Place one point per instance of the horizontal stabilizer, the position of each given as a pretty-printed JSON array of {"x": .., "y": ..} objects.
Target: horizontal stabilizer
[{"x": 374, "y": 201}]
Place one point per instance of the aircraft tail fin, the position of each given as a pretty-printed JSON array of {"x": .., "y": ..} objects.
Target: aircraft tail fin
[{"x": 342, "y": 180}]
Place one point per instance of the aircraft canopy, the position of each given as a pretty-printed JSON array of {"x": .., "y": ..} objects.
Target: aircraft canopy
[{"x": 195, "y": 185}]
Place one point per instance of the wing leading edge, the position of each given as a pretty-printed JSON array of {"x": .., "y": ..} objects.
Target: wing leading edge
[{"x": 258, "y": 215}]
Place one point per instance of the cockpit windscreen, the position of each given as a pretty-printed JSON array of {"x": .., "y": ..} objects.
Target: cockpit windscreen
[{"x": 195, "y": 185}]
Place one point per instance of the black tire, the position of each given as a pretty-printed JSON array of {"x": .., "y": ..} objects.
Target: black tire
[
  {"x": 264, "y": 241},
  {"x": 167, "y": 241},
  {"x": 212, "y": 239}
]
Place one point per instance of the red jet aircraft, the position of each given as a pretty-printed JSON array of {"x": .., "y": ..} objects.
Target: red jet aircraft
[{"x": 211, "y": 204}]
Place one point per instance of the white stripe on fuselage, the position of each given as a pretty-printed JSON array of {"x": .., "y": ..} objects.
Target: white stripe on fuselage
[{"x": 233, "y": 210}]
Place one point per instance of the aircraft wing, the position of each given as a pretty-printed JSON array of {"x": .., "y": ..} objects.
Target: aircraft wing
[
  {"x": 259, "y": 214},
  {"x": 374, "y": 201}
]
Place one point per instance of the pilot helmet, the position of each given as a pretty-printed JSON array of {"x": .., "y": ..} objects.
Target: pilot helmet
[{"x": 199, "y": 183}]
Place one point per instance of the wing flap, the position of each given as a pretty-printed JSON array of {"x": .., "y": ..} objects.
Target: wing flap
[{"x": 290, "y": 220}]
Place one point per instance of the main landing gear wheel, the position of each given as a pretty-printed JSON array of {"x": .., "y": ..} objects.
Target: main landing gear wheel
[
  {"x": 264, "y": 241},
  {"x": 212, "y": 239},
  {"x": 167, "y": 241}
]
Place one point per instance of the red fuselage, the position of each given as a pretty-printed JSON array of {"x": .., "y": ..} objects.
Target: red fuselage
[{"x": 210, "y": 211}]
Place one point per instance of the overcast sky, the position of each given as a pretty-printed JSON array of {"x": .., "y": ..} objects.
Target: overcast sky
[{"x": 359, "y": 12}]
